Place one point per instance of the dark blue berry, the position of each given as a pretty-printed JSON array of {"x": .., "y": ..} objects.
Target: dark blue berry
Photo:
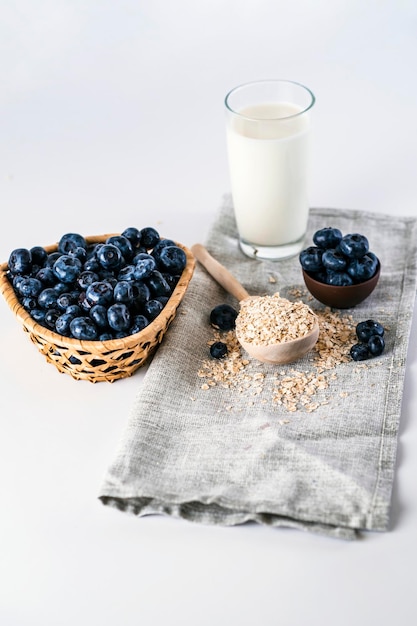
[
  {"x": 139, "y": 322},
  {"x": 172, "y": 260},
  {"x": 127, "y": 273},
  {"x": 223, "y": 317},
  {"x": 83, "y": 328},
  {"x": 123, "y": 244},
  {"x": 334, "y": 260},
  {"x": 110, "y": 257},
  {"x": 46, "y": 276},
  {"x": 30, "y": 287},
  {"x": 364, "y": 268},
  {"x": 20, "y": 261},
  {"x": 338, "y": 279},
  {"x": 218, "y": 350},
  {"x": 149, "y": 237},
  {"x": 47, "y": 298},
  {"x": 152, "y": 308},
  {"x": 98, "y": 314},
  {"x": 133, "y": 234},
  {"x": 376, "y": 345},
  {"x": 145, "y": 265},
  {"x": 66, "y": 299},
  {"x": 327, "y": 237},
  {"x": 100, "y": 292},
  {"x": 87, "y": 277},
  {"x": 158, "y": 285},
  {"x": 360, "y": 352},
  {"x": 367, "y": 329},
  {"x": 51, "y": 317},
  {"x": 311, "y": 259},
  {"x": 118, "y": 316},
  {"x": 62, "y": 324},
  {"x": 39, "y": 255},
  {"x": 124, "y": 291},
  {"x": 70, "y": 241},
  {"x": 67, "y": 268},
  {"x": 354, "y": 245}
]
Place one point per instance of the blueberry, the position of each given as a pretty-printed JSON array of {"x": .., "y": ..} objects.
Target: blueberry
[
  {"x": 70, "y": 241},
  {"x": 51, "y": 317},
  {"x": 311, "y": 259},
  {"x": 91, "y": 265},
  {"x": 162, "y": 243},
  {"x": 110, "y": 257},
  {"x": 223, "y": 317},
  {"x": 39, "y": 255},
  {"x": 360, "y": 352},
  {"x": 30, "y": 287},
  {"x": 145, "y": 265},
  {"x": 124, "y": 291},
  {"x": 62, "y": 324},
  {"x": 367, "y": 329},
  {"x": 158, "y": 285},
  {"x": 105, "y": 337},
  {"x": 149, "y": 237},
  {"x": 46, "y": 276},
  {"x": 74, "y": 310},
  {"x": 20, "y": 261},
  {"x": 172, "y": 260},
  {"x": 80, "y": 253},
  {"x": 123, "y": 244},
  {"x": 139, "y": 322},
  {"x": 29, "y": 303},
  {"x": 67, "y": 268},
  {"x": 98, "y": 314},
  {"x": 118, "y": 316},
  {"x": 376, "y": 345},
  {"x": 133, "y": 234},
  {"x": 100, "y": 292},
  {"x": 338, "y": 279},
  {"x": 364, "y": 268},
  {"x": 143, "y": 293},
  {"x": 327, "y": 237},
  {"x": 38, "y": 315},
  {"x": 86, "y": 278},
  {"x": 354, "y": 245},
  {"x": 218, "y": 350},
  {"x": 334, "y": 260},
  {"x": 83, "y": 328},
  {"x": 66, "y": 299},
  {"x": 60, "y": 288},
  {"x": 52, "y": 257},
  {"x": 152, "y": 308},
  {"x": 47, "y": 298},
  {"x": 127, "y": 273}
]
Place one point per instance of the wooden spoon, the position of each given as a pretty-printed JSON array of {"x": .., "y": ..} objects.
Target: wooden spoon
[{"x": 281, "y": 352}]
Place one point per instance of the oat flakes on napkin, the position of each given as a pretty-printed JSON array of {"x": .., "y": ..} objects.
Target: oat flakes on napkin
[{"x": 236, "y": 447}]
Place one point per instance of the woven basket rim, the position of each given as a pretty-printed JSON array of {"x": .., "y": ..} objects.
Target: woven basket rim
[{"x": 6, "y": 288}]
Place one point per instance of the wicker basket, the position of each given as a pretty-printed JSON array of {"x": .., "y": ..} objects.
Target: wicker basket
[{"x": 98, "y": 361}]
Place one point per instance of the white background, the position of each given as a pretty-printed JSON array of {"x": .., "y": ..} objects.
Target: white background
[{"x": 111, "y": 115}]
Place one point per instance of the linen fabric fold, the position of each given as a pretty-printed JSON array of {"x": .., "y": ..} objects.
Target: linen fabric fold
[{"x": 228, "y": 449}]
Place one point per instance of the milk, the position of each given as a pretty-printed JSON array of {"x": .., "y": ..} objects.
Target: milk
[{"x": 268, "y": 147}]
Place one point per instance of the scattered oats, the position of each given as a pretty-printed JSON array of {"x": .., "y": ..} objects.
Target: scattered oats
[
  {"x": 205, "y": 386},
  {"x": 272, "y": 279},
  {"x": 343, "y": 394},
  {"x": 282, "y": 422}
]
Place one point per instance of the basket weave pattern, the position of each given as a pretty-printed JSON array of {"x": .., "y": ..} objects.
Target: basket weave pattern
[{"x": 99, "y": 361}]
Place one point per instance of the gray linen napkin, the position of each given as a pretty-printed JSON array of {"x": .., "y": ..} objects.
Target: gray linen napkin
[{"x": 220, "y": 454}]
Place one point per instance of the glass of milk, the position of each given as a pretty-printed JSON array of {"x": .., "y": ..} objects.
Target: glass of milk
[{"x": 268, "y": 137}]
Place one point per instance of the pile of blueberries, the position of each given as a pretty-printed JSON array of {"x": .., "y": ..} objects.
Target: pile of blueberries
[
  {"x": 371, "y": 341},
  {"x": 99, "y": 291},
  {"x": 339, "y": 260}
]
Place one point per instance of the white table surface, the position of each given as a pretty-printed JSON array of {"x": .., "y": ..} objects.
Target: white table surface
[{"x": 111, "y": 115}]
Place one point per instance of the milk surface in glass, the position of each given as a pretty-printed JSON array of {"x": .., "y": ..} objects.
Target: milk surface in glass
[{"x": 268, "y": 160}]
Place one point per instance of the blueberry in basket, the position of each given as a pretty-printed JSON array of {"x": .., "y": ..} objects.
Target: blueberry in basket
[
  {"x": 97, "y": 307},
  {"x": 339, "y": 270}
]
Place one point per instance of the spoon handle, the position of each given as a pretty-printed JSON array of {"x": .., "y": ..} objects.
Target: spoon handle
[{"x": 219, "y": 272}]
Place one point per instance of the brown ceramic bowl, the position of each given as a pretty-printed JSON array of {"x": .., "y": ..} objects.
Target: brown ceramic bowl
[{"x": 341, "y": 297}]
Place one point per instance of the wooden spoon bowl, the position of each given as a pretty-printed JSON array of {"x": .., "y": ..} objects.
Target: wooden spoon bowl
[{"x": 277, "y": 353}]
